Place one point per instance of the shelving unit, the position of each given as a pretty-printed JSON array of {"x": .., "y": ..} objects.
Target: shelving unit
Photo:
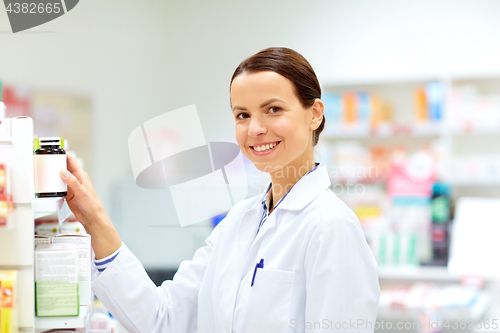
[
  {"x": 459, "y": 139},
  {"x": 17, "y": 245}
]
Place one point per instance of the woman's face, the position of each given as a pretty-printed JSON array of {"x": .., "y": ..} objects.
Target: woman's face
[{"x": 273, "y": 129}]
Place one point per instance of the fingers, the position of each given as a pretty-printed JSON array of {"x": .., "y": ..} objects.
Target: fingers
[
  {"x": 75, "y": 168},
  {"x": 72, "y": 182}
]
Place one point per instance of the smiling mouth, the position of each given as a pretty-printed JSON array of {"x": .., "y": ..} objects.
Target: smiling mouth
[{"x": 265, "y": 147}]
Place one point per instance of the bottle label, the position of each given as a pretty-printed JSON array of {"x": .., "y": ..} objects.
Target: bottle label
[{"x": 47, "y": 170}]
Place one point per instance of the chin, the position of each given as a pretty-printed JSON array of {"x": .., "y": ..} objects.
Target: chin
[{"x": 266, "y": 167}]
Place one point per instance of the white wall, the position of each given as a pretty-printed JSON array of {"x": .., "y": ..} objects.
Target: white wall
[{"x": 138, "y": 59}]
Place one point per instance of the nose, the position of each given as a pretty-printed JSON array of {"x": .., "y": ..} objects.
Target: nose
[{"x": 257, "y": 127}]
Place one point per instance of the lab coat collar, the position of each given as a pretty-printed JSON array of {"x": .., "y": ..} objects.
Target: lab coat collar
[
  {"x": 306, "y": 189},
  {"x": 303, "y": 192}
]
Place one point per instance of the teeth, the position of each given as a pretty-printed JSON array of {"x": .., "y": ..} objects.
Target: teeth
[{"x": 265, "y": 147}]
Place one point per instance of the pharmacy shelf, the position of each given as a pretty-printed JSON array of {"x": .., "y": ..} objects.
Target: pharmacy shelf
[
  {"x": 48, "y": 323},
  {"x": 474, "y": 312},
  {"x": 414, "y": 131},
  {"x": 475, "y": 183},
  {"x": 56, "y": 208},
  {"x": 418, "y": 273},
  {"x": 384, "y": 131}
]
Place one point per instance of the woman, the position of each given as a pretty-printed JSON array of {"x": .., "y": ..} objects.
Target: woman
[{"x": 291, "y": 259}]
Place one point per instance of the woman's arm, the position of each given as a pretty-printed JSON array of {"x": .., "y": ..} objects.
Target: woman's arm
[
  {"x": 124, "y": 286},
  {"x": 88, "y": 210},
  {"x": 129, "y": 294}
]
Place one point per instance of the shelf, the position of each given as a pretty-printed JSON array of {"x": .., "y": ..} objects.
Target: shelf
[
  {"x": 48, "y": 323},
  {"x": 51, "y": 207},
  {"x": 474, "y": 312},
  {"x": 419, "y": 273},
  {"x": 333, "y": 132},
  {"x": 475, "y": 183},
  {"x": 383, "y": 131}
]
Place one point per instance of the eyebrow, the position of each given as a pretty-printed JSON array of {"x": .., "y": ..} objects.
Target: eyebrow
[{"x": 272, "y": 100}]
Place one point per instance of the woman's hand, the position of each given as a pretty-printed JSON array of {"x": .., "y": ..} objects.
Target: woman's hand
[{"x": 88, "y": 210}]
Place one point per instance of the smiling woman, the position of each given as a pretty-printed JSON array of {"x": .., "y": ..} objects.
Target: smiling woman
[
  {"x": 293, "y": 254},
  {"x": 275, "y": 98}
]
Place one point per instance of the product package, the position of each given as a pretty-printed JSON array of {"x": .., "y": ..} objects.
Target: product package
[
  {"x": 41, "y": 240},
  {"x": 4, "y": 179},
  {"x": 8, "y": 315},
  {"x": 56, "y": 280},
  {"x": 83, "y": 245},
  {"x": 6, "y": 203},
  {"x": 73, "y": 227},
  {"x": 6, "y": 208},
  {"x": 49, "y": 229},
  {"x": 49, "y": 160}
]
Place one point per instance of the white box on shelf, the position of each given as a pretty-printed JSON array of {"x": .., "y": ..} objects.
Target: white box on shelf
[
  {"x": 84, "y": 260},
  {"x": 51, "y": 207}
]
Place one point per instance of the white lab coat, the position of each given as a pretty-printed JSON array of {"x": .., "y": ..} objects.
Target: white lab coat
[{"x": 319, "y": 273}]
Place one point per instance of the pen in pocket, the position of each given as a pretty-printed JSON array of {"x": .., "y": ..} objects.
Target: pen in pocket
[{"x": 258, "y": 265}]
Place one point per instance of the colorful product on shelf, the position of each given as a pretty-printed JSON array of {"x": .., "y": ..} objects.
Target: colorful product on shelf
[
  {"x": 364, "y": 107},
  {"x": 6, "y": 203},
  {"x": 436, "y": 95},
  {"x": 3, "y": 179},
  {"x": 350, "y": 108},
  {"x": 73, "y": 227},
  {"x": 56, "y": 280},
  {"x": 421, "y": 105},
  {"x": 47, "y": 228},
  {"x": 413, "y": 176},
  {"x": 355, "y": 112},
  {"x": 332, "y": 107},
  {"x": 429, "y": 102},
  {"x": 440, "y": 223},
  {"x": 395, "y": 248},
  {"x": 7, "y": 301},
  {"x": 6, "y": 208}
]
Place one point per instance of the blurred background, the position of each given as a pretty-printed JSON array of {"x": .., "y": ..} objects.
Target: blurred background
[{"x": 412, "y": 102}]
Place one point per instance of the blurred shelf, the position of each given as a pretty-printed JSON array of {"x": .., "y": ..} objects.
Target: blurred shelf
[
  {"x": 474, "y": 312},
  {"x": 413, "y": 131},
  {"x": 55, "y": 208},
  {"x": 48, "y": 323},
  {"x": 383, "y": 182},
  {"x": 384, "y": 131},
  {"x": 475, "y": 183},
  {"x": 419, "y": 273}
]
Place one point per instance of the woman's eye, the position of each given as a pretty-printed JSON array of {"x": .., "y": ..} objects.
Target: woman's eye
[
  {"x": 274, "y": 109},
  {"x": 242, "y": 116}
]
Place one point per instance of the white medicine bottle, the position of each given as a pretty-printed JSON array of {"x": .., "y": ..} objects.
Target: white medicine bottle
[{"x": 49, "y": 160}]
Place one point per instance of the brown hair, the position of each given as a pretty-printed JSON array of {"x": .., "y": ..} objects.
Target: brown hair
[{"x": 294, "y": 67}]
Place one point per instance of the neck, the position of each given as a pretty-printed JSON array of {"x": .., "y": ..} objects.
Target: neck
[{"x": 285, "y": 178}]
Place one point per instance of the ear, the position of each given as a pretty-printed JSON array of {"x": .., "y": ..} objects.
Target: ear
[{"x": 317, "y": 114}]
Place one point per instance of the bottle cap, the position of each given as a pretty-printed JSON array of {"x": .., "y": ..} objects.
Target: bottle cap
[
  {"x": 50, "y": 141},
  {"x": 441, "y": 189}
]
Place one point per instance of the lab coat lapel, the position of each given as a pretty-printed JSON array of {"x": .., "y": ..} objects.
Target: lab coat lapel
[
  {"x": 306, "y": 189},
  {"x": 247, "y": 229}
]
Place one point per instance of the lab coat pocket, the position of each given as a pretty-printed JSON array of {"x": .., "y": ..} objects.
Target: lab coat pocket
[{"x": 269, "y": 301}]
